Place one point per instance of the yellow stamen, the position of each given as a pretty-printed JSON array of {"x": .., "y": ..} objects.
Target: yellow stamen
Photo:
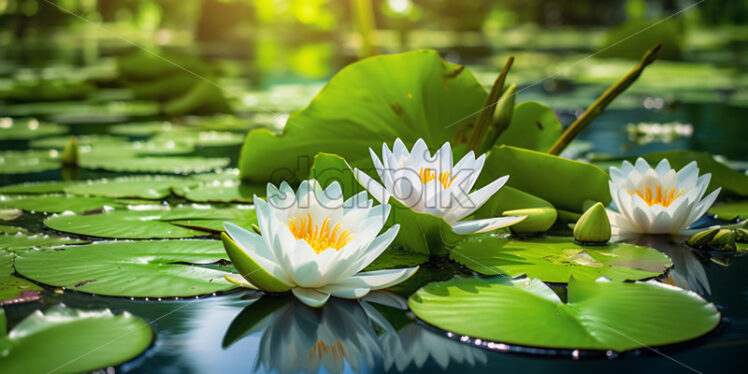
[
  {"x": 664, "y": 198},
  {"x": 427, "y": 175},
  {"x": 319, "y": 238},
  {"x": 320, "y": 350}
]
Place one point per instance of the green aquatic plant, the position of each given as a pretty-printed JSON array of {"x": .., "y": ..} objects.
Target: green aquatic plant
[{"x": 597, "y": 315}]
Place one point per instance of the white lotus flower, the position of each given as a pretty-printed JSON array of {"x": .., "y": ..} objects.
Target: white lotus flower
[
  {"x": 659, "y": 200},
  {"x": 315, "y": 244},
  {"x": 433, "y": 185}
]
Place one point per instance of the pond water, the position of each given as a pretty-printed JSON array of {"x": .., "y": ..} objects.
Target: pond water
[{"x": 237, "y": 332}]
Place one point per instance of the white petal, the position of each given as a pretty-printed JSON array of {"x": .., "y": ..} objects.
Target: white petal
[
  {"x": 702, "y": 207},
  {"x": 375, "y": 189},
  {"x": 687, "y": 175},
  {"x": 349, "y": 293},
  {"x": 641, "y": 166},
  {"x": 470, "y": 203},
  {"x": 374, "y": 250},
  {"x": 256, "y": 248},
  {"x": 663, "y": 167},
  {"x": 485, "y": 225},
  {"x": 311, "y": 297},
  {"x": 375, "y": 280}
]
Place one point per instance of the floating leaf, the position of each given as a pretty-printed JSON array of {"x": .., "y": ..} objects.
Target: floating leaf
[
  {"x": 144, "y": 187},
  {"x": 56, "y": 203},
  {"x": 555, "y": 259},
  {"x": 534, "y": 126},
  {"x": 96, "y": 140},
  {"x": 171, "y": 164},
  {"x": 20, "y": 240},
  {"x": 564, "y": 183},
  {"x": 20, "y": 129},
  {"x": 598, "y": 315},
  {"x": 130, "y": 224},
  {"x": 202, "y": 138},
  {"x": 731, "y": 210},
  {"x": 141, "y": 128},
  {"x": 18, "y": 162},
  {"x": 227, "y": 191},
  {"x": 64, "y": 340},
  {"x": 35, "y": 187},
  {"x": 410, "y": 95},
  {"x": 12, "y": 230},
  {"x": 161, "y": 268}
]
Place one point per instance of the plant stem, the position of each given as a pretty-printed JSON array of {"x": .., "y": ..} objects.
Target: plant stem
[
  {"x": 486, "y": 114},
  {"x": 364, "y": 18},
  {"x": 602, "y": 102}
]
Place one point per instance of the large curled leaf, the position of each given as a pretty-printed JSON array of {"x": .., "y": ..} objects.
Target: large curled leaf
[
  {"x": 564, "y": 183},
  {"x": 145, "y": 187},
  {"x": 410, "y": 95},
  {"x": 161, "y": 268},
  {"x": 63, "y": 340},
  {"x": 598, "y": 315},
  {"x": 130, "y": 224},
  {"x": 534, "y": 126},
  {"x": 555, "y": 259}
]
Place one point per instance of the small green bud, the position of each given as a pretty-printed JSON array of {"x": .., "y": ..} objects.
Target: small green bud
[
  {"x": 724, "y": 241},
  {"x": 538, "y": 219},
  {"x": 593, "y": 226},
  {"x": 741, "y": 235},
  {"x": 70, "y": 152},
  {"x": 703, "y": 238}
]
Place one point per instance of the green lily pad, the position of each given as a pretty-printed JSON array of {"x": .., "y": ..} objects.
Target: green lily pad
[
  {"x": 239, "y": 216},
  {"x": 141, "y": 128},
  {"x": 534, "y": 126},
  {"x": 144, "y": 187},
  {"x": 14, "y": 290},
  {"x": 64, "y": 340},
  {"x": 410, "y": 95},
  {"x": 10, "y": 214},
  {"x": 36, "y": 187},
  {"x": 77, "y": 112},
  {"x": 56, "y": 203},
  {"x": 227, "y": 191},
  {"x": 564, "y": 183},
  {"x": 12, "y": 230},
  {"x": 555, "y": 259},
  {"x": 20, "y": 129},
  {"x": 97, "y": 140},
  {"x": 731, "y": 210},
  {"x": 161, "y": 268},
  {"x": 33, "y": 161},
  {"x": 21, "y": 240},
  {"x": 598, "y": 315},
  {"x": 131, "y": 224},
  {"x": 202, "y": 138},
  {"x": 145, "y": 164}
]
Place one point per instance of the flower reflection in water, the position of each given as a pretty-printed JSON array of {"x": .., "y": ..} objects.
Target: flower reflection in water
[
  {"x": 688, "y": 270},
  {"x": 343, "y": 335}
]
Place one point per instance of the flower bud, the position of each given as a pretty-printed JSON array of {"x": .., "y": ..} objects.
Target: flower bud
[
  {"x": 703, "y": 238},
  {"x": 593, "y": 226},
  {"x": 724, "y": 241}
]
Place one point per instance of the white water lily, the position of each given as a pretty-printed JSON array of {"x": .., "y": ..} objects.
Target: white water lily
[
  {"x": 433, "y": 184},
  {"x": 659, "y": 200},
  {"x": 314, "y": 244}
]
